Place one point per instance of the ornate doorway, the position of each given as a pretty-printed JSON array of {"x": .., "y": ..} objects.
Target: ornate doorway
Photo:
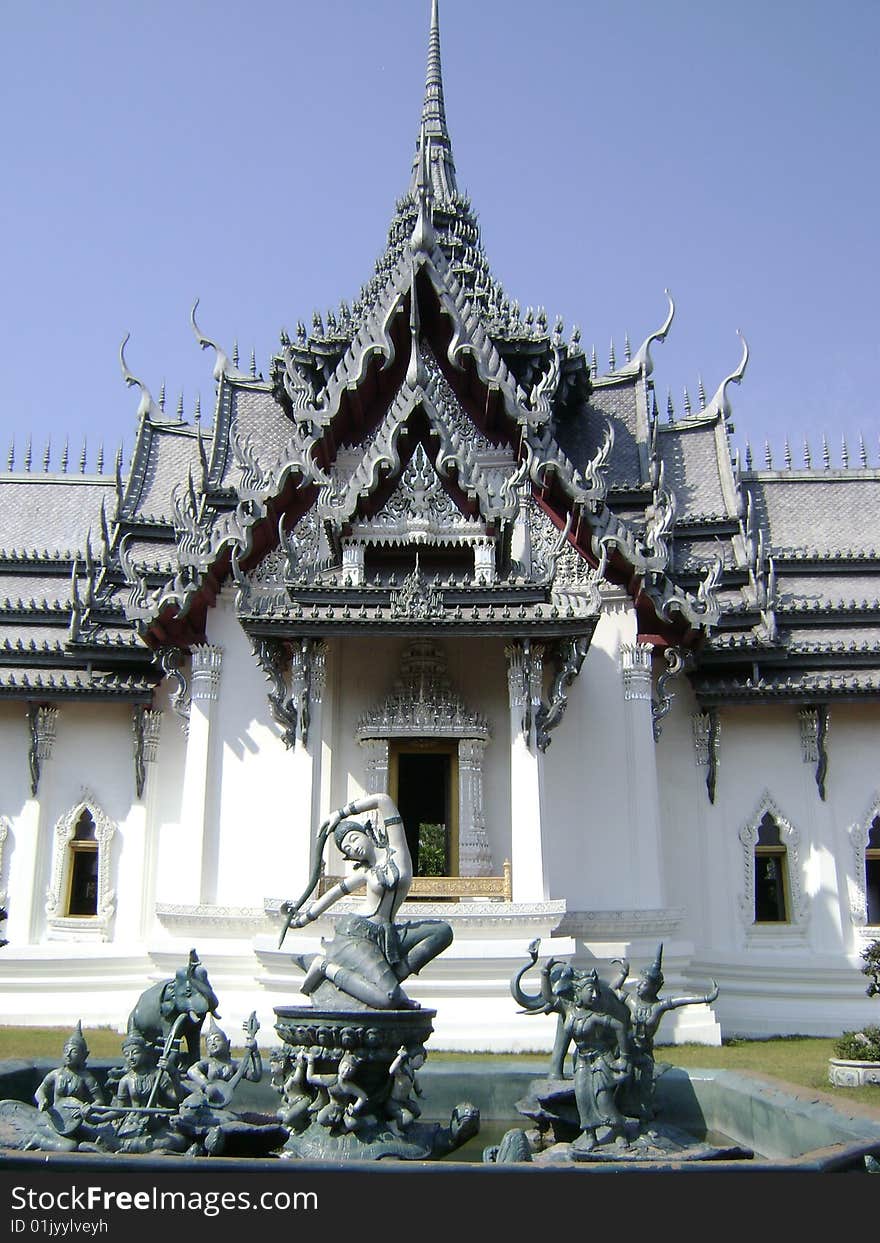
[
  {"x": 423, "y": 781},
  {"x": 424, "y": 716}
]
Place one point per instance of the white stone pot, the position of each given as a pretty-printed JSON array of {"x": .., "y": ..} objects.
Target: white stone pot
[{"x": 849, "y": 1074}]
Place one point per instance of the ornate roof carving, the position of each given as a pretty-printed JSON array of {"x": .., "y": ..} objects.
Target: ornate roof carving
[{"x": 423, "y": 702}]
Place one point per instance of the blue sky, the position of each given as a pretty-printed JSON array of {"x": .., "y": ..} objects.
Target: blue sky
[{"x": 251, "y": 156}]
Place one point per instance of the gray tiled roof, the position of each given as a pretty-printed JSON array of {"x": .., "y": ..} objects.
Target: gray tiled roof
[
  {"x": 689, "y": 454},
  {"x": 172, "y": 454},
  {"x": 258, "y": 415},
  {"x": 581, "y": 435},
  {"x": 839, "y": 590},
  {"x": 51, "y": 512},
  {"x": 54, "y": 588},
  {"x": 832, "y": 512}
]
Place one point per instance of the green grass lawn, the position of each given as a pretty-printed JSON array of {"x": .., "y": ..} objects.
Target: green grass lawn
[{"x": 799, "y": 1060}]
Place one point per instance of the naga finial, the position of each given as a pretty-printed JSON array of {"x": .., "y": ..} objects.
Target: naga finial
[
  {"x": 222, "y": 365},
  {"x": 147, "y": 407},
  {"x": 642, "y": 357},
  {"x": 720, "y": 403}
]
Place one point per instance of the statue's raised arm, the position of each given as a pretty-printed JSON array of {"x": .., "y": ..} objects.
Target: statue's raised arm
[{"x": 370, "y": 953}]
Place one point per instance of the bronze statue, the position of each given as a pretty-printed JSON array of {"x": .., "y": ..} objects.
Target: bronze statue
[
  {"x": 370, "y": 954},
  {"x": 559, "y": 983},
  {"x": 72, "y": 1081},
  {"x": 598, "y": 1024},
  {"x": 401, "y": 1106},
  {"x": 217, "y": 1075},
  {"x": 646, "y": 1010}
]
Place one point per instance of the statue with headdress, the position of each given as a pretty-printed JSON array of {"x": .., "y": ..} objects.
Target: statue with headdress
[
  {"x": 72, "y": 1080},
  {"x": 370, "y": 954},
  {"x": 647, "y": 1008}
]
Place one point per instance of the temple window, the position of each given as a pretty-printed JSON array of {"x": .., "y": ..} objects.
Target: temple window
[
  {"x": 771, "y": 879},
  {"x": 81, "y": 901},
  {"x": 83, "y": 895},
  {"x": 872, "y": 872}
]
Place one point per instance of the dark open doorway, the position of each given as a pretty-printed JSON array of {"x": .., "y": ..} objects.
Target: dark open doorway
[{"x": 424, "y": 796}]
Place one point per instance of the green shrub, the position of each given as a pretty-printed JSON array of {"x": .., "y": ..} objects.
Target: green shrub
[
  {"x": 871, "y": 959},
  {"x": 863, "y": 1046}
]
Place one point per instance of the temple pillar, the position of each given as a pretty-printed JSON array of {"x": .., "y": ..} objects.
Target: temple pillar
[
  {"x": 377, "y": 765},
  {"x": 182, "y": 879},
  {"x": 474, "y": 855},
  {"x": 307, "y": 683},
  {"x": 135, "y": 910},
  {"x": 644, "y": 861},
  {"x": 528, "y": 856},
  {"x": 29, "y": 862}
]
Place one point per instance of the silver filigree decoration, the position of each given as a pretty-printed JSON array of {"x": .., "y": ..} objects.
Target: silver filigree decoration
[
  {"x": 416, "y": 599},
  {"x": 635, "y": 662},
  {"x": 171, "y": 660},
  {"x": 707, "y": 746},
  {"x": 146, "y": 724},
  {"x": 423, "y": 702},
  {"x": 814, "y": 733}
]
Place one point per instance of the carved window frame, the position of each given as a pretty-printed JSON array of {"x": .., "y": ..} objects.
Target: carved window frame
[
  {"x": 797, "y": 909},
  {"x": 60, "y": 925},
  {"x": 857, "y": 882}
]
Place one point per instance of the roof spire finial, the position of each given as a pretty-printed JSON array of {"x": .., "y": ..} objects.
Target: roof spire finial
[{"x": 433, "y": 123}]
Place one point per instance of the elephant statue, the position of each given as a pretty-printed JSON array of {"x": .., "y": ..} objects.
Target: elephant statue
[{"x": 188, "y": 996}]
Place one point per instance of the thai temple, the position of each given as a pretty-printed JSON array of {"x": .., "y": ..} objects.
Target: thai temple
[{"x": 623, "y": 685}]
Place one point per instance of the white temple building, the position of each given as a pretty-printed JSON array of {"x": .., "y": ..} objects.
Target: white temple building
[{"x": 624, "y": 687}]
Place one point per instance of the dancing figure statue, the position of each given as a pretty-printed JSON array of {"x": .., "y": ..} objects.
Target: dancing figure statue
[
  {"x": 346, "y": 1099},
  {"x": 369, "y": 954},
  {"x": 646, "y": 1010},
  {"x": 559, "y": 983},
  {"x": 598, "y": 1024}
]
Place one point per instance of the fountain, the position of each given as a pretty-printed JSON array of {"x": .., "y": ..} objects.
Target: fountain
[{"x": 349, "y": 1083}]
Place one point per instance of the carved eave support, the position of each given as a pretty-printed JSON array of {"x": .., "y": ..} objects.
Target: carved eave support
[
  {"x": 676, "y": 659},
  {"x": 304, "y": 661},
  {"x": 569, "y": 657},
  {"x": 146, "y": 724},
  {"x": 707, "y": 746},
  {"x": 42, "y": 723},
  {"x": 171, "y": 661},
  {"x": 273, "y": 658},
  {"x": 814, "y": 735}
]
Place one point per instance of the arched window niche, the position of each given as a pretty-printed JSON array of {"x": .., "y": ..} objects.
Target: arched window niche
[
  {"x": 864, "y": 883},
  {"x": 81, "y": 902},
  {"x": 772, "y": 896}
]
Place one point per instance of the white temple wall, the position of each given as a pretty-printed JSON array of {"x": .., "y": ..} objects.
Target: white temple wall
[
  {"x": 257, "y": 823},
  {"x": 601, "y": 801},
  {"x": 21, "y": 815},
  {"x": 692, "y": 871}
]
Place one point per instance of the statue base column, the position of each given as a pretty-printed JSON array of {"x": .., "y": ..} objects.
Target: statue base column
[{"x": 345, "y": 1078}]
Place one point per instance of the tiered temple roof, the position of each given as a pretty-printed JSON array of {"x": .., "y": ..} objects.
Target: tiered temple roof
[{"x": 432, "y": 413}]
